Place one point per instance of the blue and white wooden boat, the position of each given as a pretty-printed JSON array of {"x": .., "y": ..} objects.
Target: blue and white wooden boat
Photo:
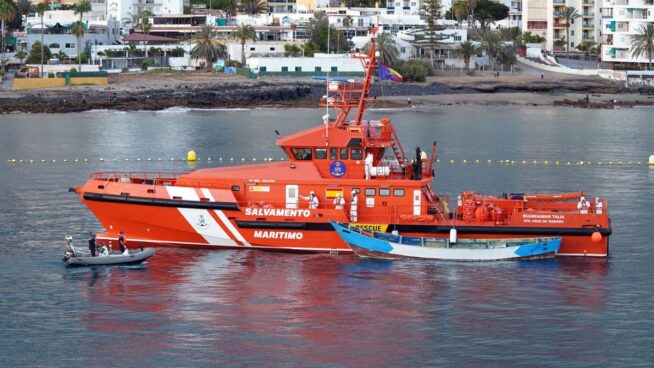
[{"x": 381, "y": 245}]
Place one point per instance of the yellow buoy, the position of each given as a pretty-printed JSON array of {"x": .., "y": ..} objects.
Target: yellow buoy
[{"x": 191, "y": 156}]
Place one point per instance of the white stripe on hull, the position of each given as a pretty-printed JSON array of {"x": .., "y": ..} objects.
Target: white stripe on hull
[
  {"x": 225, "y": 220},
  {"x": 201, "y": 220}
]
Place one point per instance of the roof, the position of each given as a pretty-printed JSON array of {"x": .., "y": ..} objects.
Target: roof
[
  {"x": 141, "y": 37},
  {"x": 275, "y": 170}
]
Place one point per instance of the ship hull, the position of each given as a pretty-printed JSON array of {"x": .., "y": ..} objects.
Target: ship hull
[{"x": 147, "y": 225}]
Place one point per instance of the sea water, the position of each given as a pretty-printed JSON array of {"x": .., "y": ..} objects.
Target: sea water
[{"x": 254, "y": 308}]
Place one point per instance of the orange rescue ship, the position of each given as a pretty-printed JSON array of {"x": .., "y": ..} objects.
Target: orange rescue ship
[{"x": 263, "y": 206}]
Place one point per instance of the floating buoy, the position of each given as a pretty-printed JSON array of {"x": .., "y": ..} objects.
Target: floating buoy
[
  {"x": 453, "y": 235},
  {"x": 596, "y": 237},
  {"x": 651, "y": 160},
  {"x": 191, "y": 156}
]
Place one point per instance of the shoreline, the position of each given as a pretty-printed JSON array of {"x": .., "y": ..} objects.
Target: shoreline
[{"x": 153, "y": 92}]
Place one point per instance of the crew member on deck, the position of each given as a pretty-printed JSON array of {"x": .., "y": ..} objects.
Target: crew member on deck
[
  {"x": 599, "y": 207},
  {"x": 339, "y": 202},
  {"x": 312, "y": 199},
  {"x": 583, "y": 205},
  {"x": 121, "y": 243},
  {"x": 367, "y": 165},
  {"x": 92, "y": 246},
  {"x": 353, "y": 207}
]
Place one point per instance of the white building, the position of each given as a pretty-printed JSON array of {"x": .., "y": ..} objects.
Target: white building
[
  {"x": 320, "y": 64},
  {"x": 119, "y": 9},
  {"x": 58, "y": 36},
  {"x": 621, "y": 21}
]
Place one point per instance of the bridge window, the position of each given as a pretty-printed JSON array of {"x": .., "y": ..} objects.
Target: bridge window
[
  {"x": 235, "y": 188},
  {"x": 343, "y": 153},
  {"x": 321, "y": 153},
  {"x": 371, "y": 192},
  {"x": 301, "y": 154},
  {"x": 398, "y": 192},
  {"x": 384, "y": 192},
  {"x": 333, "y": 153},
  {"x": 357, "y": 154}
]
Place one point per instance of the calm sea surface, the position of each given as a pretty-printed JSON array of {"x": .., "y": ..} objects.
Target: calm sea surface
[{"x": 259, "y": 309}]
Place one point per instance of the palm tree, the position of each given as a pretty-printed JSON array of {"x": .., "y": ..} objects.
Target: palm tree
[
  {"x": 490, "y": 42},
  {"x": 568, "y": 14},
  {"x": 40, "y": 10},
  {"x": 507, "y": 57},
  {"x": 255, "y": 7},
  {"x": 466, "y": 51},
  {"x": 24, "y": 7},
  {"x": 642, "y": 43},
  {"x": 145, "y": 26},
  {"x": 243, "y": 33},
  {"x": 205, "y": 47},
  {"x": 82, "y": 7},
  {"x": 134, "y": 19},
  {"x": 388, "y": 52},
  {"x": 460, "y": 11},
  {"x": 78, "y": 30},
  {"x": 7, "y": 13}
]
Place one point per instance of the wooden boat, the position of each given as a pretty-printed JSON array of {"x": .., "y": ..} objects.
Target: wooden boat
[
  {"x": 381, "y": 245},
  {"x": 77, "y": 257}
]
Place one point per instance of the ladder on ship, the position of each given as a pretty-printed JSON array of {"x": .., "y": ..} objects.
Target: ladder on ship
[{"x": 397, "y": 148}]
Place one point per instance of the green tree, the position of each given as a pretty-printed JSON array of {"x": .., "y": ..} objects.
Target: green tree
[
  {"x": 487, "y": 12},
  {"x": 24, "y": 7},
  {"x": 78, "y": 28},
  {"x": 145, "y": 26},
  {"x": 507, "y": 57},
  {"x": 568, "y": 14},
  {"x": 428, "y": 36},
  {"x": 490, "y": 42},
  {"x": 528, "y": 37},
  {"x": 7, "y": 13},
  {"x": 510, "y": 34},
  {"x": 41, "y": 8},
  {"x": 254, "y": 7},
  {"x": 132, "y": 20},
  {"x": 230, "y": 7},
  {"x": 62, "y": 56},
  {"x": 388, "y": 53},
  {"x": 415, "y": 70},
  {"x": 642, "y": 43},
  {"x": 292, "y": 50},
  {"x": 205, "y": 47},
  {"x": 21, "y": 55},
  {"x": 36, "y": 53},
  {"x": 243, "y": 34},
  {"x": 586, "y": 46},
  {"x": 467, "y": 50}
]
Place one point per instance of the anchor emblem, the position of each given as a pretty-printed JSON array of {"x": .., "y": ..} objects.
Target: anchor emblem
[{"x": 202, "y": 223}]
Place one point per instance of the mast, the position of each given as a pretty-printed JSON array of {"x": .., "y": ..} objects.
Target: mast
[{"x": 370, "y": 67}]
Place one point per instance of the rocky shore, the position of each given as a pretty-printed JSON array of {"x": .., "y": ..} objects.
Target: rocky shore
[{"x": 157, "y": 92}]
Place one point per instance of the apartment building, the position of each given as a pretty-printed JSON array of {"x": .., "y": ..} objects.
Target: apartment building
[
  {"x": 543, "y": 17},
  {"x": 621, "y": 20}
]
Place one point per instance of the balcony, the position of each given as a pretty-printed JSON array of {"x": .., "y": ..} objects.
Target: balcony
[
  {"x": 588, "y": 14},
  {"x": 587, "y": 26},
  {"x": 589, "y": 2},
  {"x": 559, "y": 2}
]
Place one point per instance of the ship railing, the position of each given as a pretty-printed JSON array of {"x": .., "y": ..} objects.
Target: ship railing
[{"x": 137, "y": 177}]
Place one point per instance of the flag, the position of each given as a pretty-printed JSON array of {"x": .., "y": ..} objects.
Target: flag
[{"x": 388, "y": 73}]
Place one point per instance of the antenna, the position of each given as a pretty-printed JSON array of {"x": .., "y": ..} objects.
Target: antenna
[{"x": 277, "y": 133}]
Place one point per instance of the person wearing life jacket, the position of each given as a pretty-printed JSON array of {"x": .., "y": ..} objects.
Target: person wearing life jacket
[
  {"x": 312, "y": 199},
  {"x": 339, "y": 202},
  {"x": 599, "y": 207},
  {"x": 92, "y": 246},
  {"x": 353, "y": 207},
  {"x": 121, "y": 243},
  {"x": 367, "y": 165},
  {"x": 583, "y": 205}
]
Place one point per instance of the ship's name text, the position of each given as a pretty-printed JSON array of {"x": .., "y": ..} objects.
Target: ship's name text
[
  {"x": 278, "y": 235},
  {"x": 280, "y": 212}
]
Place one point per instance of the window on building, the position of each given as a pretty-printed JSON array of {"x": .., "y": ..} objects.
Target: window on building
[
  {"x": 318, "y": 69},
  {"x": 272, "y": 49},
  {"x": 333, "y": 153},
  {"x": 301, "y": 154},
  {"x": 70, "y": 46},
  {"x": 343, "y": 153},
  {"x": 334, "y": 68},
  {"x": 384, "y": 192},
  {"x": 398, "y": 192},
  {"x": 263, "y": 69},
  {"x": 252, "y": 49},
  {"x": 402, "y": 50},
  {"x": 298, "y": 68},
  {"x": 356, "y": 154},
  {"x": 457, "y": 37},
  {"x": 284, "y": 68},
  {"x": 371, "y": 192},
  {"x": 321, "y": 153}
]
